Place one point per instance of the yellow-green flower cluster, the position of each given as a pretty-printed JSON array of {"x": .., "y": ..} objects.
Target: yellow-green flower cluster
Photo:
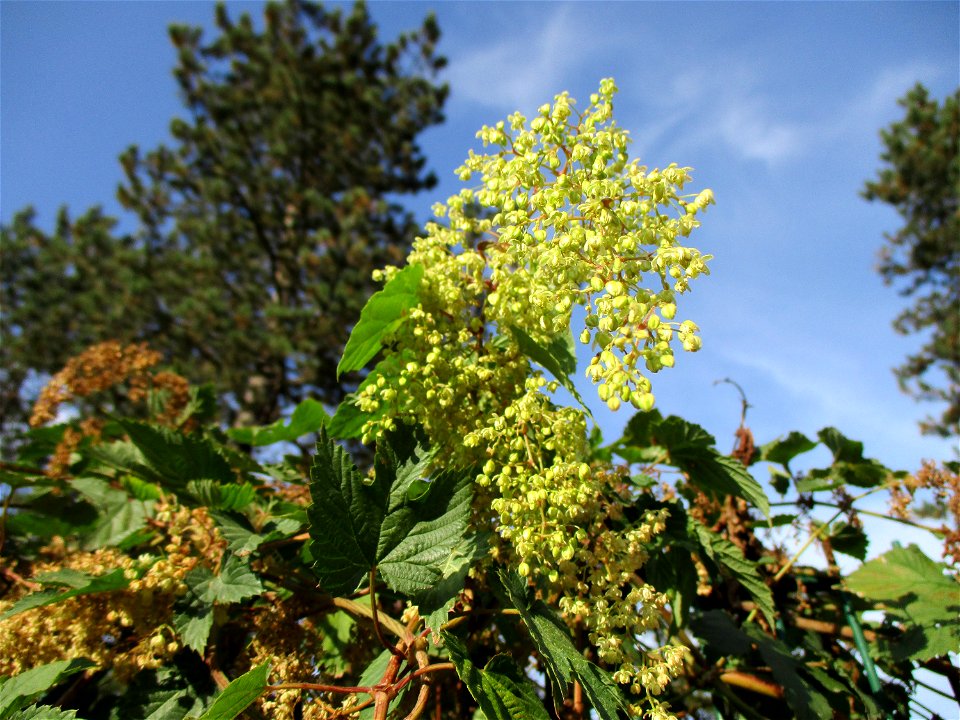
[{"x": 560, "y": 218}]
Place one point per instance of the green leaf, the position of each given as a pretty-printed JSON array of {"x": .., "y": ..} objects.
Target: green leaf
[
  {"x": 356, "y": 525},
  {"x": 780, "y": 480},
  {"x": 337, "y": 632},
  {"x": 180, "y": 689},
  {"x": 783, "y": 450},
  {"x": 201, "y": 405},
  {"x": 308, "y": 417},
  {"x": 348, "y": 420},
  {"x": 913, "y": 588},
  {"x": 243, "y": 539},
  {"x": 232, "y": 496},
  {"x": 807, "y": 702},
  {"x": 21, "y": 690},
  {"x": 562, "y": 661},
  {"x": 239, "y": 694},
  {"x": 436, "y": 602},
  {"x": 720, "y": 475},
  {"x": 673, "y": 570},
  {"x": 382, "y": 314},
  {"x": 193, "y": 619},
  {"x": 125, "y": 457},
  {"x": 864, "y": 473},
  {"x": 80, "y": 584},
  {"x": 729, "y": 557},
  {"x": 692, "y": 449},
  {"x": 235, "y": 582},
  {"x": 46, "y": 712},
  {"x": 415, "y": 564},
  {"x": 849, "y": 540},
  {"x": 178, "y": 458},
  {"x": 120, "y": 517},
  {"x": 500, "y": 688},
  {"x": 906, "y": 576},
  {"x": 140, "y": 489},
  {"x": 724, "y": 639},
  {"x": 782, "y": 519},
  {"x": 345, "y": 518},
  {"x": 558, "y": 357},
  {"x": 843, "y": 449}
]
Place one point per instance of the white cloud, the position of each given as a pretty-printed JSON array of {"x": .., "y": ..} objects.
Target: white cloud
[
  {"x": 521, "y": 69},
  {"x": 749, "y": 128},
  {"x": 726, "y": 107},
  {"x": 732, "y": 107}
]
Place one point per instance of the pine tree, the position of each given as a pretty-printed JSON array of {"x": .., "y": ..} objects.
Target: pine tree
[
  {"x": 921, "y": 179},
  {"x": 258, "y": 227}
]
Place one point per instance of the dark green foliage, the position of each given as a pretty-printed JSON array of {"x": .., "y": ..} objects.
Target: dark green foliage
[
  {"x": 500, "y": 688},
  {"x": 62, "y": 292},
  {"x": 921, "y": 179},
  {"x": 563, "y": 662},
  {"x": 257, "y": 228},
  {"x": 406, "y": 531}
]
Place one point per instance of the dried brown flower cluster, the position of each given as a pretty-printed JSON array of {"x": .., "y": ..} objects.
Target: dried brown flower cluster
[
  {"x": 99, "y": 368},
  {"x": 944, "y": 484},
  {"x": 127, "y": 630},
  {"x": 59, "y": 464},
  {"x": 94, "y": 370}
]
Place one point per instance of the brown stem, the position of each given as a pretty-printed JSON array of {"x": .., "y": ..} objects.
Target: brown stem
[
  {"x": 284, "y": 541},
  {"x": 13, "y": 467},
  {"x": 355, "y": 608},
  {"x": 424, "y": 695},
  {"x": 422, "y": 699},
  {"x": 426, "y": 670},
  {"x": 829, "y": 628},
  {"x": 376, "y": 616},
  {"x": 578, "y": 707},
  {"x": 753, "y": 683},
  {"x": 29, "y": 584}
]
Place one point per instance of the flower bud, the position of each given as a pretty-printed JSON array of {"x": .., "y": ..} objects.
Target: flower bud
[{"x": 614, "y": 287}]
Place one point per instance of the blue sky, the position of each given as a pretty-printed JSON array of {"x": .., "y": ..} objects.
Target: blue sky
[{"x": 776, "y": 106}]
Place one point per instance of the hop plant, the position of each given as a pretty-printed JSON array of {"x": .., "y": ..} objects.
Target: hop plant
[{"x": 560, "y": 218}]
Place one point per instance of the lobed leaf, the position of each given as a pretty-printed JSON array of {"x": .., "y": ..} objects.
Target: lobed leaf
[
  {"x": 46, "y": 712},
  {"x": 913, "y": 588},
  {"x": 178, "y": 458},
  {"x": 690, "y": 448},
  {"x": 356, "y": 526},
  {"x": 783, "y": 450},
  {"x": 235, "y": 582}
]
